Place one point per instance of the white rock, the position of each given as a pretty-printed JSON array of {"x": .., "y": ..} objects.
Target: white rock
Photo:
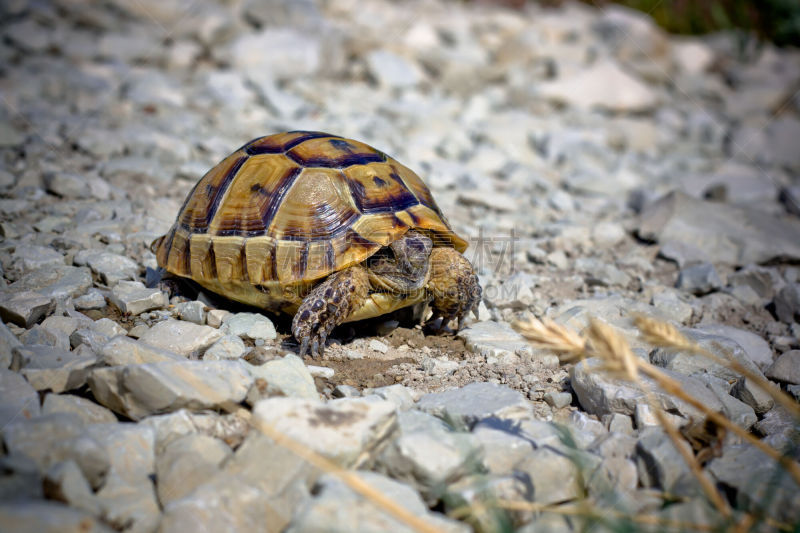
[
  {"x": 291, "y": 53},
  {"x": 692, "y": 56},
  {"x": 288, "y": 376},
  {"x": 717, "y": 232},
  {"x": 607, "y": 234},
  {"x": 321, "y": 371},
  {"x": 8, "y": 341},
  {"x": 346, "y": 431},
  {"x": 87, "y": 410},
  {"x": 439, "y": 366},
  {"x": 250, "y": 325},
  {"x": 67, "y": 185},
  {"x": 93, "y": 299},
  {"x": 555, "y": 477},
  {"x": 191, "y": 312},
  {"x": 228, "y": 347},
  {"x": 502, "y": 450},
  {"x": 28, "y": 257},
  {"x": 44, "y": 516},
  {"x": 126, "y": 351},
  {"x": 337, "y": 508},
  {"x": 181, "y": 337},
  {"x": 186, "y": 463},
  {"x": 474, "y": 402},
  {"x": 107, "y": 327},
  {"x": 151, "y": 388},
  {"x": 25, "y": 308},
  {"x": 134, "y": 298},
  {"x": 378, "y": 346},
  {"x": 151, "y": 87},
  {"x": 603, "y": 85},
  {"x": 18, "y": 400},
  {"x": 228, "y": 89},
  {"x": 495, "y": 339},
  {"x": 215, "y": 317},
  {"x": 392, "y": 70}
]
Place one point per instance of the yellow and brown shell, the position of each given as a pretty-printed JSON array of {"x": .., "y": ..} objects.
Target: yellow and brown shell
[{"x": 291, "y": 208}]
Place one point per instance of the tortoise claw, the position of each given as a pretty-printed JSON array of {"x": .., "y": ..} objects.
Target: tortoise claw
[
  {"x": 327, "y": 306},
  {"x": 456, "y": 288},
  {"x": 304, "y": 347}
]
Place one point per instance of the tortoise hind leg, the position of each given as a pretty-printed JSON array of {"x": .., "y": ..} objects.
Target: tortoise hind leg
[
  {"x": 328, "y": 305},
  {"x": 166, "y": 282},
  {"x": 454, "y": 285}
]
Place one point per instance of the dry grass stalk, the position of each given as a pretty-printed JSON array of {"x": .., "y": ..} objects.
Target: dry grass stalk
[
  {"x": 688, "y": 457},
  {"x": 612, "y": 348},
  {"x": 349, "y": 478},
  {"x": 673, "y": 387},
  {"x": 659, "y": 333},
  {"x": 555, "y": 337},
  {"x": 610, "y": 345}
]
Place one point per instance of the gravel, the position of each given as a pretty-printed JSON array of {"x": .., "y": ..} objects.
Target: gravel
[{"x": 598, "y": 167}]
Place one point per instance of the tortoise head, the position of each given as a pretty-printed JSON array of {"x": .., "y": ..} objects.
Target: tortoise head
[{"x": 412, "y": 251}]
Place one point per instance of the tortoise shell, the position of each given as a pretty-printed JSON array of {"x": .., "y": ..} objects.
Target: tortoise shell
[{"x": 293, "y": 208}]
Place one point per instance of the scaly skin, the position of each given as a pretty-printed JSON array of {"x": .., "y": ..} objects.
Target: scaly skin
[
  {"x": 409, "y": 264},
  {"x": 454, "y": 285},
  {"x": 327, "y": 305}
]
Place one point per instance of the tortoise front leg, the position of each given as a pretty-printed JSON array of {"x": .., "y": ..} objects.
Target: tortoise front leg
[
  {"x": 454, "y": 285},
  {"x": 328, "y": 305}
]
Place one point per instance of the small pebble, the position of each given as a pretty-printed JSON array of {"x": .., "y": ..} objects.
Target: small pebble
[{"x": 377, "y": 346}]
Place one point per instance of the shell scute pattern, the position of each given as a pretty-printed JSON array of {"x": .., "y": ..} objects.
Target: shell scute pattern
[
  {"x": 292, "y": 208},
  {"x": 201, "y": 205},
  {"x": 376, "y": 188},
  {"x": 334, "y": 153}
]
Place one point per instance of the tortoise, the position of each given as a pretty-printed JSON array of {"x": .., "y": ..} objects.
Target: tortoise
[{"x": 323, "y": 227}]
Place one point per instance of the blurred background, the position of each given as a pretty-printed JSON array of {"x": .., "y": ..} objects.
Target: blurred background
[
  {"x": 777, "y": 21},
  {"x": 530, "y": 116},
  {"x": 601, "y": 158}
]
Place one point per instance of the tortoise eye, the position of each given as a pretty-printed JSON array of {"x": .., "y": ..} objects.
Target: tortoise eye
[{"x": 419, "y": 244}]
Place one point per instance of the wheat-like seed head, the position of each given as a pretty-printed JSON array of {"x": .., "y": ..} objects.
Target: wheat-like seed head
[
  {"x": 664, "y": 334},
  {"x": 547, "y": 334},
  {"x": 609, "y": 345}
]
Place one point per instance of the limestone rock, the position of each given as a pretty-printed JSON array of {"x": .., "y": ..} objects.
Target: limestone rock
[
  {"x": 288, "y": 376},
  {"x": 337, "y": 508},
  {"x": 31, "y": 516},
  {"x": 132, "y": 297},
  {"x": 126, "y": 351},
  {"x": 604, "y": 85},
  {"x": 25, "y": 308},
  {"x": 718, "y": 232},
  {"x": 187, "y": 463},
  {"x": 181, "y": 337},
  {"x": 349, "y": 431},
  {"x": 87, "y": 410},
  {"x": 786, "y": 368},
  {"x": 18, "y": 400},
  {"x": 474, "y": 402},
  {"x": 251, "y": 325},
  {"x": 140, "y": 390}
]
